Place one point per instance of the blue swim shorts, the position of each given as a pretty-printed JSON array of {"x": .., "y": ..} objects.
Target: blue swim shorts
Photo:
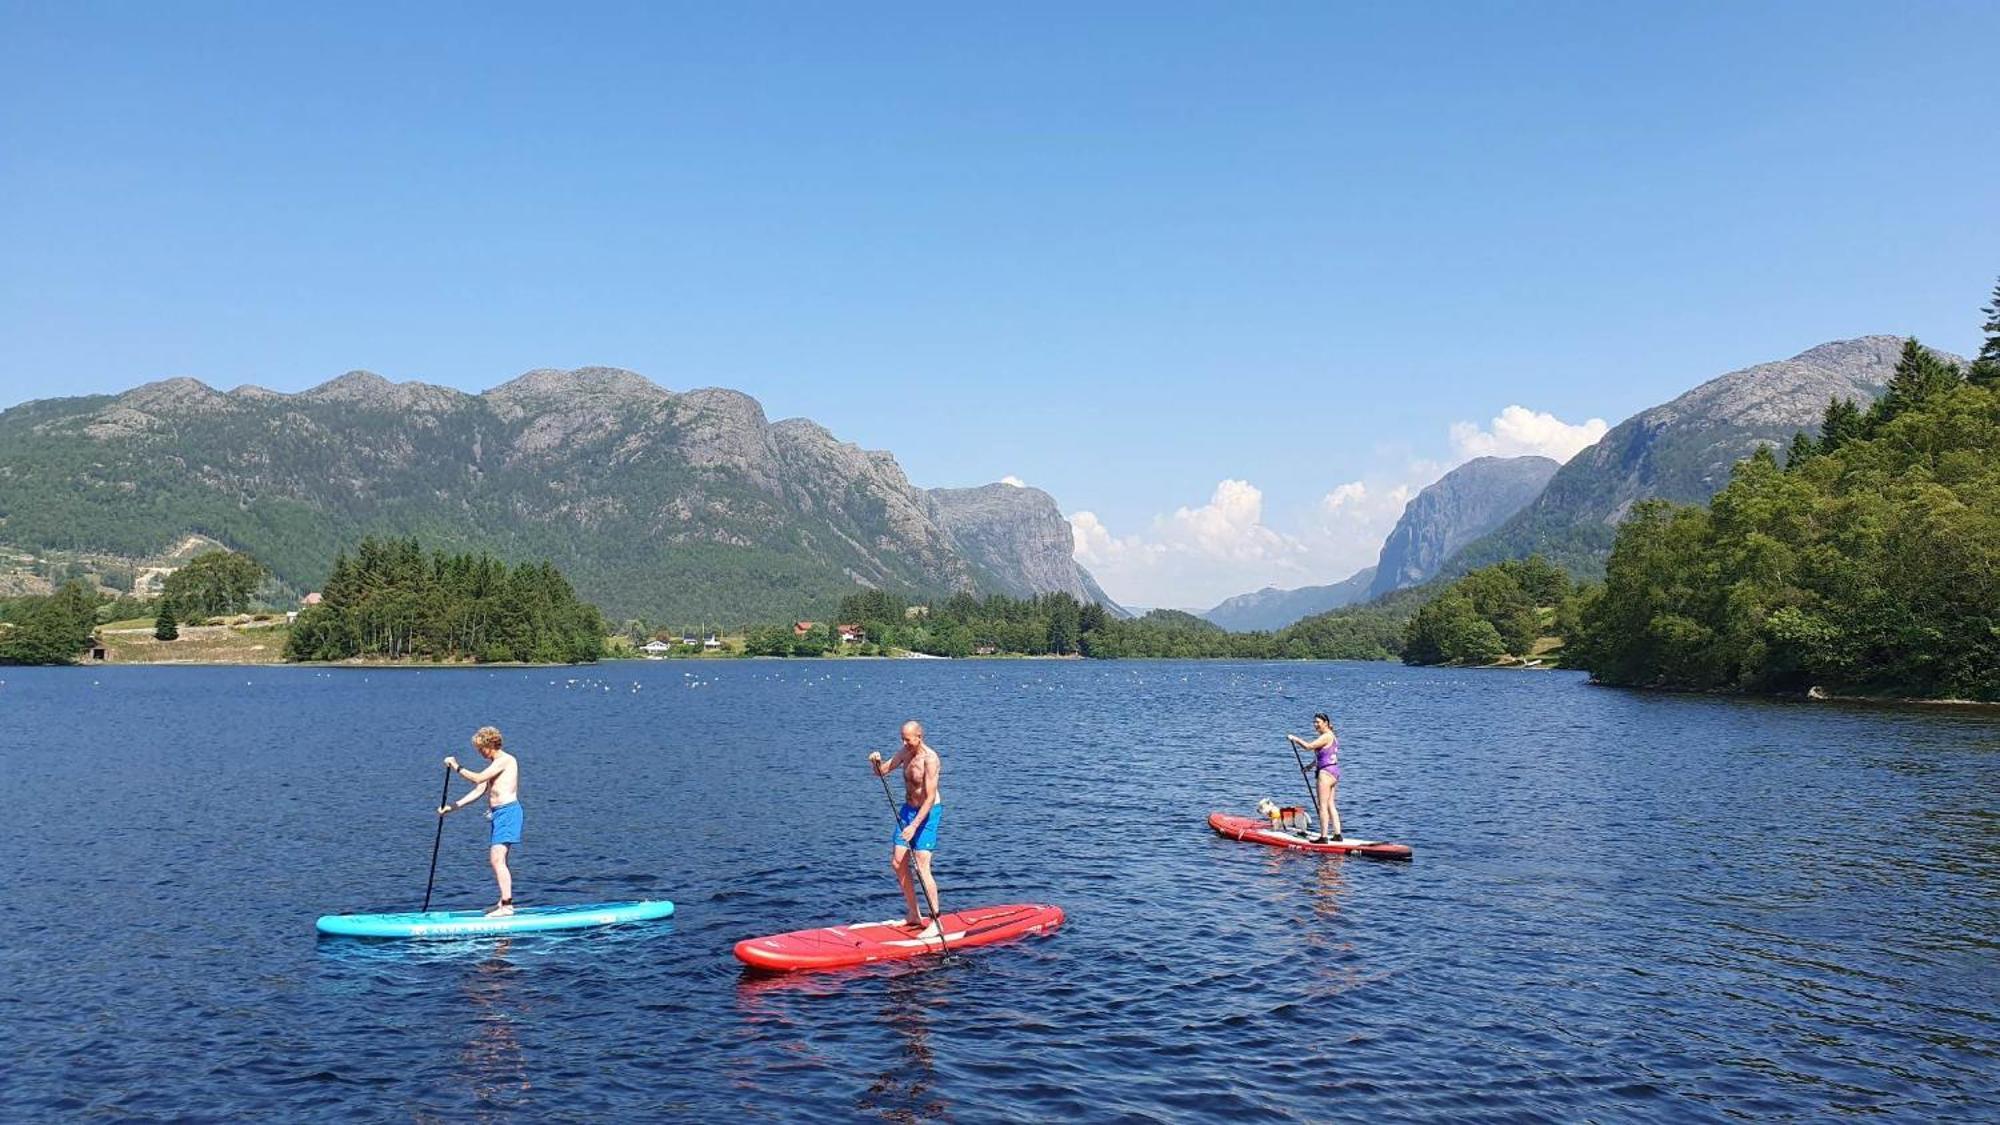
[
  {"x": 926, "y": 840},
  {"x": 506, "y": 824}
]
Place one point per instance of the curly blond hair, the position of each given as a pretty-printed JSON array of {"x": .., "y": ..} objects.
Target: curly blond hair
[{"x": 487, "y": 737}]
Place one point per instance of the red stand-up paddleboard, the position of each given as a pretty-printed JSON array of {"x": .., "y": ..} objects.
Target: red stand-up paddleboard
[
  {"x": 840, "y": 947},
  {"x": 1258, "y": 830}
]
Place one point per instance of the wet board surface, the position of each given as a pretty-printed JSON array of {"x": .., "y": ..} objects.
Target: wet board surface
[
  {"x": 471, "y": 923},
  {"x": 1258, "y": 830},
  {"x": 861, "y": 943}
]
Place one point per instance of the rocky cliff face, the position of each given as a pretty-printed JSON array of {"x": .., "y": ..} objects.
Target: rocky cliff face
[
  {"x": 1683, "y": 450},
  {"x": 1461, "y": 506},
  {"x": 677, "y": 506},
  {"x": 1271, "y": 608},
  {"x": 1018, "y": 537}
]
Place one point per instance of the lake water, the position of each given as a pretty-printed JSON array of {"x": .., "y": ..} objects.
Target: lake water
[{"x": 1622, "y": 906}]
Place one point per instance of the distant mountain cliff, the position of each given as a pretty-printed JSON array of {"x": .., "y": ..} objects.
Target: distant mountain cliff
[
  {"x": 1272, "y": 608},
  {"x": 1017, "y": 541},
  {"x": 1683, "y": 450},
  {"x": 676, "y": 506},
  {"x": 1461, "y": 506}
]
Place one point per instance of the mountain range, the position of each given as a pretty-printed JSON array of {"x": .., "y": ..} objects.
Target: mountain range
[
  {"x": 1457, "y": 508},
  {"x": 673, "y": 506},
  {"x": 1272, "y": 608},
  {"x": 1507, "y": 508},
  {"x": 1683, "y": 450},
  {"x": 692, "y": 505}
]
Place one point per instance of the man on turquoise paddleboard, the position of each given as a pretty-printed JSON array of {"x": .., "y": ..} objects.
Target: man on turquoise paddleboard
[
  {"x": 500, "y": 781},
  {"x": 917, "y": 830}
]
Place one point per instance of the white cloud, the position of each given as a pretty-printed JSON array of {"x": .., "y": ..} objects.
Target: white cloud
[
  {"x": 1011, "y": 479},
  {"x": 1518, "y": 431},
  {"x": 1196, "y": 556},
  {"x": 1349, "y": 524},
  {"x": 1229, "y": 526}
]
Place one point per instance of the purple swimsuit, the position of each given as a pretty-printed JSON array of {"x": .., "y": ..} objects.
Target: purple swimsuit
[{"x": 1327, "y": 758}]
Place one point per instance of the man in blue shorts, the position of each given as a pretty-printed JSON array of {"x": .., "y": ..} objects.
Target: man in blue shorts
[
  {"x": 917, "y": 830},
  {"x": 500, "y": 781}
]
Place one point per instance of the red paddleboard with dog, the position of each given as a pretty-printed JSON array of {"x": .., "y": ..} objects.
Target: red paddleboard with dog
[
  {"x": 841, "y": 947},
  {"x": 1257, "y": 830}
]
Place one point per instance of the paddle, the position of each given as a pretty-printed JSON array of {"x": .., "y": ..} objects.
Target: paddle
[
  {"x": 444, "y": 795},
  {"x": 1312, "y": 794},
  {"x": 937, "y": 914}
]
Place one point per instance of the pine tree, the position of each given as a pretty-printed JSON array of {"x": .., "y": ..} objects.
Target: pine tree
[
  {"x": 165, "y": 628},
  {"x": 1985, "y": 369},
  {"x": 1841, "y": 425},
  {"x": 1920, "y": 376},
  {"x": 1803, "y": 449}
]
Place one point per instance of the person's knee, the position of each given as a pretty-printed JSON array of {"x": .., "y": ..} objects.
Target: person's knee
[{"x": 923, "y": 861}]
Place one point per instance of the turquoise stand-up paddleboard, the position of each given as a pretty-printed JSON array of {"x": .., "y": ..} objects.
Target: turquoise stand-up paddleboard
[{"x": 472, "y": 923}]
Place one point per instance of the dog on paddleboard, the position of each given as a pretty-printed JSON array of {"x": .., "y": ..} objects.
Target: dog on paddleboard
[{"x": 1284, "y": 818}]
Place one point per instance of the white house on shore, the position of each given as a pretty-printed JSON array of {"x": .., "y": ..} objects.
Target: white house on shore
[{"x": 656, "y": 648}]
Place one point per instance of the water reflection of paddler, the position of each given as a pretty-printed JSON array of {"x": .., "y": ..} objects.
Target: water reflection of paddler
[
  {"x": 495, "y": 1063},
  {"x": 905, "y": 1091}
]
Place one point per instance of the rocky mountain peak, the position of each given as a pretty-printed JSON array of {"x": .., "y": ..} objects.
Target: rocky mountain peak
[
  {"x": 364, "y": 387},
  {"x": 1788, "y": 392},
  {"x": 1019, "y": 533},
  {"x": 584, "y": 388},
  {"x": 368, "y": 391},
  {"x": 181, "y": 396}
]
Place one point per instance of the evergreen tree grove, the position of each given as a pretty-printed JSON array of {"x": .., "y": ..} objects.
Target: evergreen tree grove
[{"x": 390, "y": 600}]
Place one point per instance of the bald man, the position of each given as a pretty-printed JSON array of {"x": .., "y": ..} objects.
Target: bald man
[{"x": 917, "y": 831}]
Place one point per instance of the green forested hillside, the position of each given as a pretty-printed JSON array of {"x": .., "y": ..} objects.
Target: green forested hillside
[
  {"x": 1868, "y": 564},
  {"x": 672, "y": 506},
  {"x": 1492, "y": 613}
]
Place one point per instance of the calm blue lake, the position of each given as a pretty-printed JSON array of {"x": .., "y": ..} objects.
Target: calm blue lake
[{"x": 1622, "y": 907}]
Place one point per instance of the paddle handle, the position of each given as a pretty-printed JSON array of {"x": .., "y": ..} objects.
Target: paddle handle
[{"x": 444, "y": 794}]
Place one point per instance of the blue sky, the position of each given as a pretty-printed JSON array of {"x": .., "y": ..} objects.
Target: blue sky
[{"x": 1127, "y": 253}]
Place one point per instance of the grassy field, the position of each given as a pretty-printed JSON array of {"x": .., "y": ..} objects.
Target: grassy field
[{"x": 250, "y": 643}]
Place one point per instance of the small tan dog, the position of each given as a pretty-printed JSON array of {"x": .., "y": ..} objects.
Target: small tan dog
[{"x": 1284, "y": 817}]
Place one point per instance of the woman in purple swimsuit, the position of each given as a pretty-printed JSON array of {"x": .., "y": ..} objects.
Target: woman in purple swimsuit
[{"x": 1326, "y": 760}]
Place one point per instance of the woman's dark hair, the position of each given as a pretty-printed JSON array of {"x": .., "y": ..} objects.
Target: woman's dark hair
[{"x": 1320, "y": 717}]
